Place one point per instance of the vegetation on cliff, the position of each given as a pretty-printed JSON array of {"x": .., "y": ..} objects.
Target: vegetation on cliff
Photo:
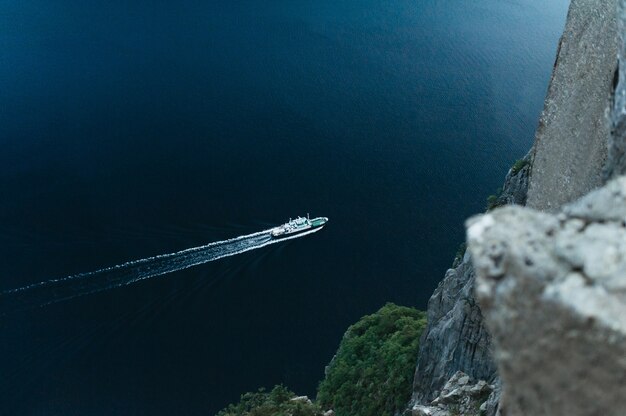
[
  {"x": 278, "y": 402},
  {"x": 494, "y": 201},
  {"x": 372, "y": 372},
  {"x": 519, "y": 165}
]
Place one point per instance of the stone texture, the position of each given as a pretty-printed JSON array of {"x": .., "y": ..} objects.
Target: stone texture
[
  {"x": 515, "y": 189},
  {"x": 302, "y": 399},
  {"x": 420, "y": 410},
  {"x": 571, "y": 140},
  {"x": 566, "y": 162},
  {"x": 461, "y": 396},
  {"x": 492, "y": 406},
  {"x": 455, "y": 338},
  {"x": 553, "y": 291},
  {"x": 616, "y": 163}
]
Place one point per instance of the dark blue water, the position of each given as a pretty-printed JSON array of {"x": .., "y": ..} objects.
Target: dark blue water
[{"x": 130, "y": 129}]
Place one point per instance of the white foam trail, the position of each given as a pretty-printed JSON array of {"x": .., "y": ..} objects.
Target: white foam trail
[{"x": 51, "y": 291}]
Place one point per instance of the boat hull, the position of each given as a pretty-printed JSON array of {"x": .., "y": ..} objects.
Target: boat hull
[
  {"x": 296, "y": 227},
  {"x": 298, "y": 232}
]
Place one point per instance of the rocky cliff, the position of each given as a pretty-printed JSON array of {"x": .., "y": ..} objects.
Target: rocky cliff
[
  {"x": 553, "y": 291},
  {"x": 455, "y": 338},
  {"x": 616, "y": 163},
  {"x": 571, "y": 140},
  {"x": 566, "y": 161},
  {"x": 553, "y": 287}
]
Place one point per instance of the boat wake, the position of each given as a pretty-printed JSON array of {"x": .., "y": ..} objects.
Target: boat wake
[{"x": 51, "y": 291}]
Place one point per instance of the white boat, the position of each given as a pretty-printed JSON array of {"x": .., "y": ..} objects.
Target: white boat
[{"x": 297, "y": 226}]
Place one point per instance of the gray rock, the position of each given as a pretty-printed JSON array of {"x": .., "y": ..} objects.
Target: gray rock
[
  {"x": 302, "y": 399},
  {"x": 480, "y": 388},
  {"x": 463, "y": 381},
  {"x": 571, "y": 140},
  {"x": 600, "y": 205},
  {"x": 515, "y": 187},
  {"x": 419, "y": 410},
  {"x": 450, "y": 396},
  {"x": 566, "y": 162},
  {"x": 616, "y": 163},
  {"x": 553, "y": 291},
  {"x": 492, "y": 406},
  {"x": 455, "y": 338},
  {"x": 461, "y": 396}
]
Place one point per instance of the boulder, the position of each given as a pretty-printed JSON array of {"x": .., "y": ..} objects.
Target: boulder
[
  {"x": 461, "y": 396},
  {"x": 552, "y": 289}
]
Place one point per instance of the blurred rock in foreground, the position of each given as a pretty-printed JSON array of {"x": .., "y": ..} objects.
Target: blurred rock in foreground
[{"x": 552, "y": 289}]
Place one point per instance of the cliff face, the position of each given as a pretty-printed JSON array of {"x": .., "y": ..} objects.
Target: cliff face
[
  {"x": 553, "y": 288},
  {"x": 455, "y": 338},
  {"x": 571, "y": 141},
  {"x": 566, "y": 161},
  {"x": 616, "y": 164}
]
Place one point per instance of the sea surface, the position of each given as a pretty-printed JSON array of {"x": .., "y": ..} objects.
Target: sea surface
[{"x": 132, "y": 129}]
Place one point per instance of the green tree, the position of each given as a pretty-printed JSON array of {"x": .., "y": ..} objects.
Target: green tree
[{"x": 372, "y": 372}]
